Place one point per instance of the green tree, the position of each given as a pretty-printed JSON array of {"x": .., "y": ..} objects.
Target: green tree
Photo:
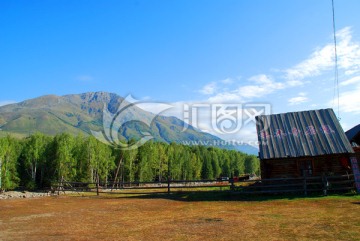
[
  {"x": 207, "y": 171},
  {"x": 85, "y": 152},
  {"x": 237, "y": 163},
  {"x": 195, "y": 167},
  {"x": 10, "y": 150},
  {"x": 146, "y": 172},
  {"x": 175, "y": 157},
  {"x": 65, "y": 161},
  {"x": 130, "y": 161},
  {"x": 252, "y": 164},
  {"x": 215, "y": 161},
  {"x": 225, "y": 168},
  {"x": 160, "y": 162},
  {"x": 104, "y": 161},
  {"x": 34, "y": 157}
]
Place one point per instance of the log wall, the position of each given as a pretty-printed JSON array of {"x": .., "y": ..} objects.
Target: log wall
[{"x": 289, "y": 167}]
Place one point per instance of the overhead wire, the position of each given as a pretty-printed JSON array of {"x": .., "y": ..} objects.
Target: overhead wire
[{"x": 336, "y": 72}]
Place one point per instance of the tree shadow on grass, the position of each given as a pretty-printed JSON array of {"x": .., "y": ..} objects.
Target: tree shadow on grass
[
  {"x": 226, "y": 197},
  {"x": 204, "y": 196}
]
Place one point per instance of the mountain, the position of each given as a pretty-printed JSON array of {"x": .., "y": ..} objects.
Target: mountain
[{"x": 83, "y": 113}]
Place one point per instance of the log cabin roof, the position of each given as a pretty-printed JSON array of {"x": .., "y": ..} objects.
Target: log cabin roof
[
  {"x": 353, "y": 134},
  {"x": 301, "y": 134}
]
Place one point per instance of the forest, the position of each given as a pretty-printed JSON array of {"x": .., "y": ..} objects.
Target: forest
[{"x": 39, "y": 160}]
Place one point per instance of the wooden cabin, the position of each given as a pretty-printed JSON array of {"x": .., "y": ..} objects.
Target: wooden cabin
[
  {"x": 305, "y": 143},
  {"x": 353, "y": 136}
]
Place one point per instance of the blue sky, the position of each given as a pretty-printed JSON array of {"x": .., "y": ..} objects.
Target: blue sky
[{"x": 184, "y": 51}]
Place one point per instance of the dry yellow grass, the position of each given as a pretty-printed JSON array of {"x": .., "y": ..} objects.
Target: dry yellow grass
[{"x": 200, "y": 216}]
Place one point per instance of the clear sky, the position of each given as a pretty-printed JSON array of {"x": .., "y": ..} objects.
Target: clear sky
[{"x": 181, "y": 51}]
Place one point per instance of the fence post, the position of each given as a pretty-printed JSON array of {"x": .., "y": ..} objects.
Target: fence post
[
  {"x": 0, "y": 175},
  {"x": 325, "y": 185},
  {"x": 169, "y": 175},
  {"x": 97, "y": 185},
  {"x": 168, "y": 185},
  {"x": 232, "y": 186},
  {"x": 305, "y": 186}
]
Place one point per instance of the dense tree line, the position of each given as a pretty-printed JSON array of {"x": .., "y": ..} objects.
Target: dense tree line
[{"x": 39, "y": 160}]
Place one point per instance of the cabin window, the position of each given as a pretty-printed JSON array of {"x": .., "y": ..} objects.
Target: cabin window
[{"x": 306, "y": 168}]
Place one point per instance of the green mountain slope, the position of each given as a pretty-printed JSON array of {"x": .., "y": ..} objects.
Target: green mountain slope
[{"x": 81, "y": 113}]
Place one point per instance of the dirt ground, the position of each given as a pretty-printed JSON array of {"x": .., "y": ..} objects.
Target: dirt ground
[{"x": 183, "y": 216}]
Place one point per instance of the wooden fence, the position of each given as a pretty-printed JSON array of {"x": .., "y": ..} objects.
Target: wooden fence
[
  {"x": 305, "y": 185},
  {"x": 123, "y": 186}
]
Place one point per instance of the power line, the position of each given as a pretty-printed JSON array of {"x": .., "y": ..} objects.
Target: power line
[{"x": 336, "y": 72}]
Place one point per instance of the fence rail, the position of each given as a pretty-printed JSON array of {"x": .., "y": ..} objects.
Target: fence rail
[
  {"x": 304, "y": 185},
  {"x": 110, "y": 186}
]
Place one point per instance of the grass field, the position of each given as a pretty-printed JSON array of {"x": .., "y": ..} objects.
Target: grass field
[{"x": 181, "y": 216}]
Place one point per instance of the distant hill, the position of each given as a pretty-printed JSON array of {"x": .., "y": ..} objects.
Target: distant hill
[{"x": 81, "y": 113}]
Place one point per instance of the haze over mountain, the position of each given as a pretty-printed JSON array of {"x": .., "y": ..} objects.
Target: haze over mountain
[{"x": 83, "y": 113}]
